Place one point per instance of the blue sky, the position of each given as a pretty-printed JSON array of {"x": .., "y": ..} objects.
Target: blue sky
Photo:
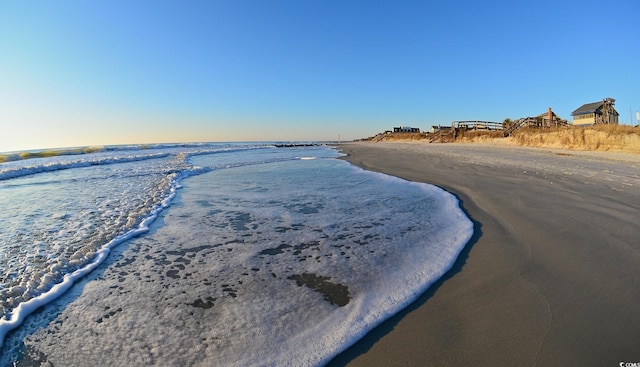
[{"x": 76, "y": 73}]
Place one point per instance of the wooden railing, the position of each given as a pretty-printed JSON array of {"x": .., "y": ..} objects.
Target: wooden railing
[{"x": 477, "y": 125}]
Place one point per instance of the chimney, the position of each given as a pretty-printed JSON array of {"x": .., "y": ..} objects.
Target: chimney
[{"x": 550, "y": 116}]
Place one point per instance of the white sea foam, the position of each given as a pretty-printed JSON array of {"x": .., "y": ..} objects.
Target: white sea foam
[
  {"x": 61, "y": 212},
  {"x": 8, "y": 171},
  {"x": 281, "y": 262},
  {"x": 25, "y": 308}
]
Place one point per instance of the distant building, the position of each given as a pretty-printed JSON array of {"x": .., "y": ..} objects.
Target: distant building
[
  {"x": 406, "y": 129},
  {"x": 596, "y": 113},
  {"x": 435, "y": 129},
  {"x": 546, "y": 119}
]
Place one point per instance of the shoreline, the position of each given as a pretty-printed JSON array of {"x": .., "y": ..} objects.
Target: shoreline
[
  {"x": 552, "y": 274},
  {"x": 245, "y": 257}
]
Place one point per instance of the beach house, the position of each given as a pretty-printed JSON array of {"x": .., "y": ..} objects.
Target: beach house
[
  {"x": 596, "y": 113},
  {"x": 406, "y": 129}
]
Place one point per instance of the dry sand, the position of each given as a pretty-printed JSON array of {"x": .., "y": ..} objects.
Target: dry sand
[{"x": 551, "y": 276}]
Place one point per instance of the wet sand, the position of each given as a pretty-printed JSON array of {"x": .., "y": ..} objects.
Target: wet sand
[{"x": 551, "y": 276}]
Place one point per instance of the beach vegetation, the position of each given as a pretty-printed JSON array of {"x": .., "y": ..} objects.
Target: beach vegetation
[
  {"x": 471, "y": 136},
  {"x": 507, "y": 123},
  {"x": 623, "y": 138}
]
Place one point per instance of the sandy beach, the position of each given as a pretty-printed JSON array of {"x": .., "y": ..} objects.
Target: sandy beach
[{"x": 551, "y": 276}]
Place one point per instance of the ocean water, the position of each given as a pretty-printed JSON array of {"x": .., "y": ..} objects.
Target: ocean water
[{"x": 209, "y": 254}]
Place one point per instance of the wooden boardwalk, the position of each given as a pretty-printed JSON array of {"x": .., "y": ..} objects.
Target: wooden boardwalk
[{"x": 477, "y": 125}]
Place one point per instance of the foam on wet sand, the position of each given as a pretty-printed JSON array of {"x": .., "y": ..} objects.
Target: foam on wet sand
[{"x": 250, "y": 266}]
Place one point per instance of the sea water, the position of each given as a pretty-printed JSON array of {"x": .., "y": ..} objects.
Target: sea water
[{"x": 266, "y": 255}]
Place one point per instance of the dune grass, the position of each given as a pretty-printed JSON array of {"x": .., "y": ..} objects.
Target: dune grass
[{"x": 622, "y": 138}]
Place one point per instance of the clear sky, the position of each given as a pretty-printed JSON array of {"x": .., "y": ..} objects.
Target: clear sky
[{"x": 76, "y": 73}]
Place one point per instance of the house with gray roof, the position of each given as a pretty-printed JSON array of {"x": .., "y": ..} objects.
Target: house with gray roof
[{"x": 596, "y": 113}]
